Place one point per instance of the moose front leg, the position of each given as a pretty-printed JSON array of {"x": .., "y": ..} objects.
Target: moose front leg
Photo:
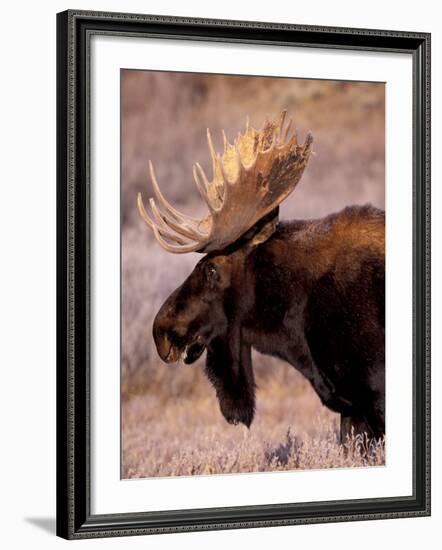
[
  {"x": 300, "y": 357},
  {"x": 229, "y": 368}
]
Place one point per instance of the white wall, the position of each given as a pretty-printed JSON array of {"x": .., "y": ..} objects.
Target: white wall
[{"x": 27, "y": 289}]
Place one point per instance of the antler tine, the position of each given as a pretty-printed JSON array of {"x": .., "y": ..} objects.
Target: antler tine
[
  {"x": 180, "y": 249},
  {"x": 216, "y": 188},
  {"x": 216, "y": 164},
  {"x": 179, "y": 216},
  {"x": 182, "y": 229},
  {"x": 230, "y": 167},
  {"x": 153, "y": 225},
  {"x": 143, "y": 212},
  {"x": 307, "y": 143},
  {"x": 281, "y": 124},
  {"x": 203, "y": 189},
  {"x": 287, "y": 130},
  {"x": 225, "y": 142},
  {"x": 271, "y": 142},
  {"x": 203, "y": 177},
  {"x": 211, "y": 149},
  {"x": 186, "y": 225},
  {"x": 171, "y": 237}
]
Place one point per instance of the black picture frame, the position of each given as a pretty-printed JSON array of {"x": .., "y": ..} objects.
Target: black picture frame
[{"x": 74, "y": 518}]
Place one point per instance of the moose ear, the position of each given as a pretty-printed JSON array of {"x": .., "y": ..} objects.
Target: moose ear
[
  {"x": 262, "y": 235},
  {"x": 264, "y": 229}
]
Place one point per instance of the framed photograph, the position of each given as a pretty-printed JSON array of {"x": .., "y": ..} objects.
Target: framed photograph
[{"x": 243, "y": 274}]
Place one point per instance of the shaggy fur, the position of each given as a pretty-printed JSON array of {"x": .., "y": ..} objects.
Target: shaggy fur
[{"x": 312, "y": 294}]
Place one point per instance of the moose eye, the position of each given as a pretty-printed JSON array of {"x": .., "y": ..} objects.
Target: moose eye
[{"x": 211, "y": 271}]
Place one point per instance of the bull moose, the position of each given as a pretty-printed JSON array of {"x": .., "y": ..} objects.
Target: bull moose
[{"x": 311, "y": 292}]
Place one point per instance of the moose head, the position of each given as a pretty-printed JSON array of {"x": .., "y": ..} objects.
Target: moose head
[{"x": 211, "y": 309}]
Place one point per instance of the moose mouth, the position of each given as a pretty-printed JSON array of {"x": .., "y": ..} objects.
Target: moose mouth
[
  {"x": 189, "y": 354},
  {"x": 193, "y": 351}
]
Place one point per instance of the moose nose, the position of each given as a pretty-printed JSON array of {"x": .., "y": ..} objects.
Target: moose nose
[{"x": 164, "y": 341}]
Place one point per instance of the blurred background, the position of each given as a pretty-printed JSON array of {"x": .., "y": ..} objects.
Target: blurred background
[{"x": 171, "y": 424}]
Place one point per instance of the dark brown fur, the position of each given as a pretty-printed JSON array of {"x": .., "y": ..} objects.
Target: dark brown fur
[{"x": 313, "y": 294}]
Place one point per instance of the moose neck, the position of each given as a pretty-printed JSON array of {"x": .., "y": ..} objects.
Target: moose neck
[{"x": 274, "y": 285}]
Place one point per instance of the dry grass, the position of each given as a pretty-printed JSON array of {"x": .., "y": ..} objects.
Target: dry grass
[
  {"x": 171, "y": 424},
  {"x": 186, "y": 434}
]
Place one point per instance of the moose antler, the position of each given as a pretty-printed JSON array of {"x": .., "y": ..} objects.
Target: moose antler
[{"x": 253, "y": 176}]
